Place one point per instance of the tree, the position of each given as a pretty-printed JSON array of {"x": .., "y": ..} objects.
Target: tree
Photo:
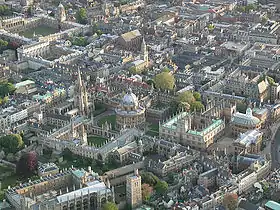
[
  {"x": 170, "y": 177},
  {"x": 161, "y": 187},
  {"x": 230, "y": 201},
  {"x": 165, "y": 69},
  {"x": 3, "y": 45},
  {"x": 5, "y": 99},
  {"x": 110, "y": 206},
  {"x": 27, "y": 164},
  {"x": 11, "y": 143},
  {"x": 146, "y": 191},
  {"x": 81, "y": 16},
  {"x": 197, "y": 96},
  {"x": 197, "y": 105},
  {"x": 186, "y": 96},
  {"x": 6, "y": 88},
  {"x": 165, "y": 81},
  {"x": 29, "y": 11},
  {"x": 99, "y": 33},
  {"x": 149, "y": 178}
]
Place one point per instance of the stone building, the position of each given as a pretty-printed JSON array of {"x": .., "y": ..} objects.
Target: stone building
[
  {"x": 242, "y": 123},
  {"x": 133, "y": 189},
  {"x": 196, "y": 130},
  {"x": 70, "y": 189},
  {"x": 130, "y": 113},
  {"x": 249, "y": 142},
  {"x": 131, "y": 40}
]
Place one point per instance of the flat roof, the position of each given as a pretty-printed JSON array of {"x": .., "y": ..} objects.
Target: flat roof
[{"x": 273, "y": 205}]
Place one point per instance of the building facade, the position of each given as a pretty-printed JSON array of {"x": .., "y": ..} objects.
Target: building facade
[{"x": 194, "y": 130}]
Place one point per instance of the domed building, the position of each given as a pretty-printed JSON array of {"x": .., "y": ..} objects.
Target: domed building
[
  {"x": 130, "y": 113},
  {"x": 241, "y": 123}
]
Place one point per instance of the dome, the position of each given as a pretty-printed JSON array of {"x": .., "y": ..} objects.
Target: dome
[
  {"x": 130, "y": 99},
  {"x": 245, "y": 119}
]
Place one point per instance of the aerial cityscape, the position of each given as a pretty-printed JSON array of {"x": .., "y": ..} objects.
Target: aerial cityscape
[{"x": 140, "y": 104}]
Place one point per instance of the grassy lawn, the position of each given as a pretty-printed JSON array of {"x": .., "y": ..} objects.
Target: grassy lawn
[
  {"x": 9, "y": 180},
  {"x": 40, "y": 30},
  {"x": 96, "y": 140},
  {"x": 153, "y": 130},
  {"x": 110, "y": 119},
  {"x": 154, "y": 127}
]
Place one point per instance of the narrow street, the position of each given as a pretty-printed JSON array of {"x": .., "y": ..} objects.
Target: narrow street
[{"x": 275, "y": 145}]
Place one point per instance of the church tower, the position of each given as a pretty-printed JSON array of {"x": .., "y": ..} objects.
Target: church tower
[
  {"x": 61, "y": 14},
  {"x": 133, "y": 189},
  {"x": 144, "y": 53},
  {"x": 81, "y": 96},
  {"x": 83, "y": 137}
]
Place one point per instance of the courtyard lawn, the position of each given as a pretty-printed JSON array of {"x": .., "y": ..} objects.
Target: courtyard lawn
[
  {"x": 153, "y": 130},
  {"x": 9, "y": 180},
  {"x": 110, "y": 119},
  {"x": 96, "y": 140},
  {"x": 40, "y": 30}
]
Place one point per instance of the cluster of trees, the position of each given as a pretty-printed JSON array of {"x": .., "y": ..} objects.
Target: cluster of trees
[
  {"x": 3, "y": 45},
  {"x": 230, "y": 201},
  {"x": 79, "y": 41},
  {"x": 269, "y": 79},
  {"x": 11, "y": 143},
  {"x": 27, "y": 165},
  {"x": 81, "y": 16},
  {"x": 164, "y": 81},
  {"x": 95, "y": 30},
  {"x": 4, "y": 10},
  {"x": 247, "y": 8},
  {"x": 189, "y": 101},
  {"x": 150, "y": 183},
  {"x": 6, "y": 88},
  {"x": 110, "y": 206}
]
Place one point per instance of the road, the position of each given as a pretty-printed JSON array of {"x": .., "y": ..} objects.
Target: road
[{"x": 275, "y": 145}]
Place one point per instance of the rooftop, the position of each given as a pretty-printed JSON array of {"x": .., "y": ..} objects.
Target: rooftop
[{"x": 131, "y": 35}]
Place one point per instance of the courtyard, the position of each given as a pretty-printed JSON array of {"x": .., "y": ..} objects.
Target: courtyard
[
  {"x": 110, "y": 119},
  {"x": 40, "y": 30},
  {"x": 153, "y": 129},
  {"x": 7, "y": 177},
  {"x": 96, "y": 140}
]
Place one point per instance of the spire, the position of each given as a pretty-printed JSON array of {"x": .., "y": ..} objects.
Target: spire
[
  {"x": 79, "y": 79},
  {"x": 143, "y": 46}
]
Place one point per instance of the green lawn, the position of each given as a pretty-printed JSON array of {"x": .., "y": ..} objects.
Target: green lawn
[
  {"x": 153, "y": 130},
  {"x": 40, "y": 30},
  {"x": 96, "y": 140},
  {"x": 9, "y": 180},
  {"x": 110, "y": 119}
]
